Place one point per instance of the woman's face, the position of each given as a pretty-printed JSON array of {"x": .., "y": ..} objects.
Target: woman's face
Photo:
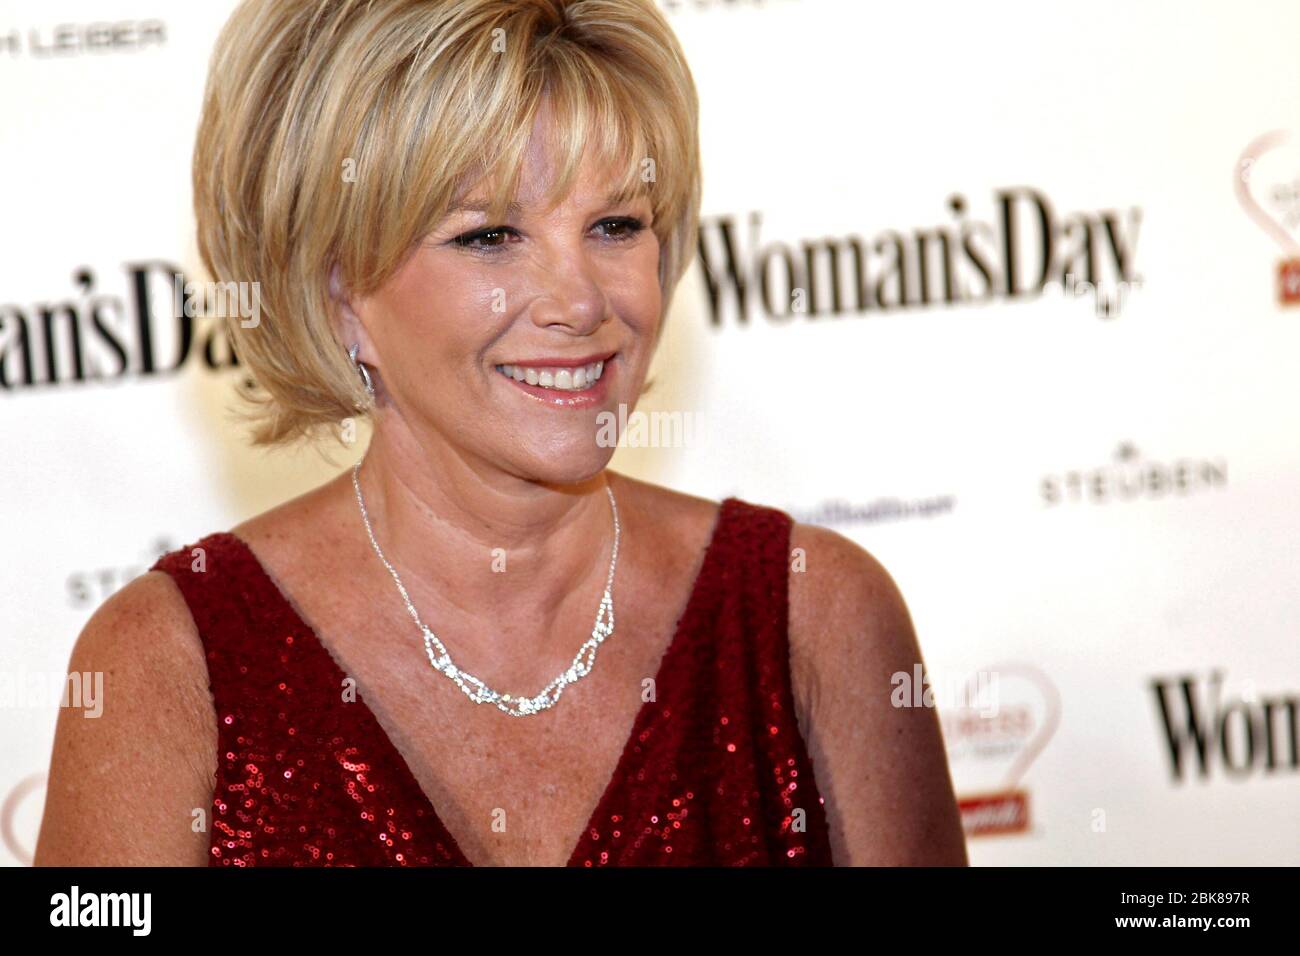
[{"x": 553, "y": 298}]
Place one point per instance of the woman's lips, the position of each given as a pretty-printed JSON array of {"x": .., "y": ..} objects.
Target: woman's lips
[
  {"x": 563, "y": 361},
  {"x": 585, "y": 397}
]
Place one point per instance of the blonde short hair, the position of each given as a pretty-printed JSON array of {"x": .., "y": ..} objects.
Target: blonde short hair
[{"x": 418, "y": 98}]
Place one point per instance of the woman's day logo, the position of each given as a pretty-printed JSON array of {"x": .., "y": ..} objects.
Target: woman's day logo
[{"x": 1266, "y": 180}]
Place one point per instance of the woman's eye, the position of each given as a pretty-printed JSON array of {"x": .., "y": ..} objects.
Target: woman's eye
[
  {"x": 489, "y": 240},
  {"x": 629, "y": 226},
  {"x": 477, "y": 240}
]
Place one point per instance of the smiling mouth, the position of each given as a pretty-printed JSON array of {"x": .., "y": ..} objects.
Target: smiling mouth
[{"x": 559, "y": 378}]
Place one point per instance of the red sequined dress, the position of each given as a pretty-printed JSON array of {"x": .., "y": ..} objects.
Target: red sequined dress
[{"x": 715, "y": 772}]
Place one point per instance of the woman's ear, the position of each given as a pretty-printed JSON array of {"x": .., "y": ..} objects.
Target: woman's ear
[{"x": 347, "y": 324}]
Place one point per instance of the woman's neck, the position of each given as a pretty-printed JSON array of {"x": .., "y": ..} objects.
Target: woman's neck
[{"x": 489, "y": 544}]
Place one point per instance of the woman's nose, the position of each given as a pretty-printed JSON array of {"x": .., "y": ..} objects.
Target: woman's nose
[{"x": 572, "y": 296}]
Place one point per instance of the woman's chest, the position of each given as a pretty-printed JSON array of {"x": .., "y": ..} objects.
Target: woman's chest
[{"x": 512, "y": 790}]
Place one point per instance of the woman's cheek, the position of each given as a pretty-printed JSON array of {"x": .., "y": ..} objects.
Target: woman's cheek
[{"x": 487, "y": 297}]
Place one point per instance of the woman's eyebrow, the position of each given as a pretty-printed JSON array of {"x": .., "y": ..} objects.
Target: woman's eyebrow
[
  {"x": 482, "y": 205},
  {"x": 514, "y": 208}
]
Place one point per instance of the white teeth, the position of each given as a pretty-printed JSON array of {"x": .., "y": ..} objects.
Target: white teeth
[{"x": 567, "y": 379}]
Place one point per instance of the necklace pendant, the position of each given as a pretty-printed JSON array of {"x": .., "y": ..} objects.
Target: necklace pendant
[{"x": 479, "y": 692}]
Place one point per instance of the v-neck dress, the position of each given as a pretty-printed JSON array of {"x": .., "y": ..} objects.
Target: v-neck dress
[{"x": 714, "y": 773}]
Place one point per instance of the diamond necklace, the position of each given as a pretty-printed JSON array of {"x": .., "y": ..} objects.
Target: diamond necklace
[{"x": 475, "y": 689}]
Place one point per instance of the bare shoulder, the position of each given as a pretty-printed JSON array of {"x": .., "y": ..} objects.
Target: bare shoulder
[
  {"x": 840, "y": 577},
  {"x": 881, "y": 769},
  {"x": 315, "y": 514},
  {"x": 135, "y": 756}
]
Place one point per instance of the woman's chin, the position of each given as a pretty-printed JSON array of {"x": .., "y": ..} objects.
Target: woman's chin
[{"x": 558, "y": 468}]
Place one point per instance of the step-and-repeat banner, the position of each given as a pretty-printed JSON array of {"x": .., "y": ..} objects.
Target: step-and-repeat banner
[{"x": 1008, "y": 293}]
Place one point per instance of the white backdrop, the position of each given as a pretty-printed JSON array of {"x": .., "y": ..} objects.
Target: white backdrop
[{"x": 1087, "y": 514}]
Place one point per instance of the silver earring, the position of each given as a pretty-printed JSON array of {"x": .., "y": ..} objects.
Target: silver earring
[{"x": 365, "y": 374}]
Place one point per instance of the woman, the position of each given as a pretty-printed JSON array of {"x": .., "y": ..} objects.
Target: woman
[{"x": 466, "y": 219}]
